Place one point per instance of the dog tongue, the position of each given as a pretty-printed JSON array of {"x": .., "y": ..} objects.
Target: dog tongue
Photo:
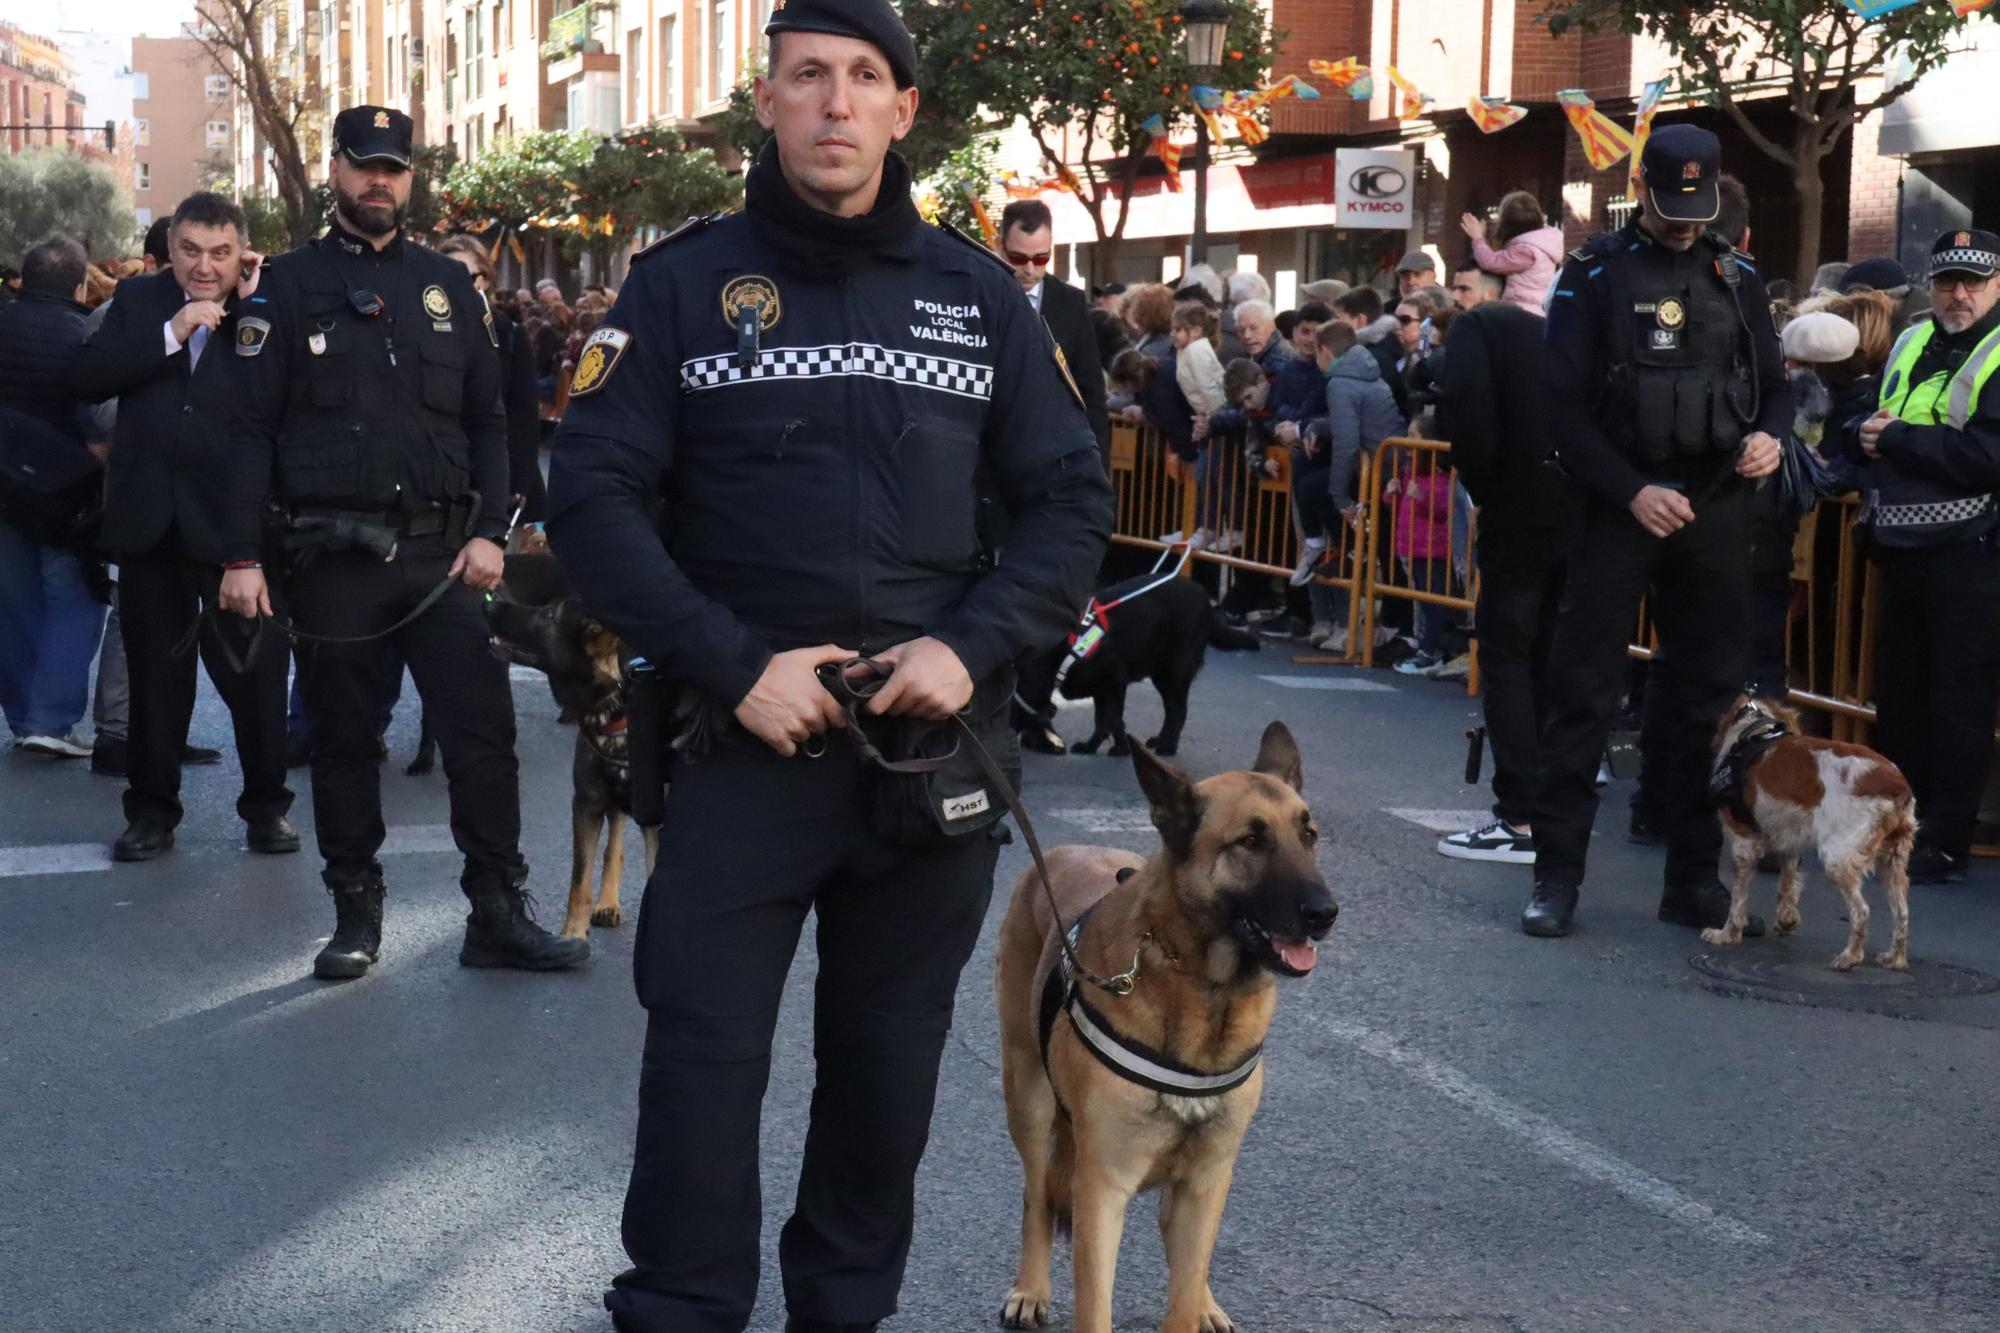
[{"x": 1299, "y": 955}]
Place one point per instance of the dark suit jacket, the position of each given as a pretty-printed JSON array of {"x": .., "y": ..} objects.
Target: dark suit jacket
[
  {"x": 1067, "y": 313},
  {"x": 169, "y": 450}
]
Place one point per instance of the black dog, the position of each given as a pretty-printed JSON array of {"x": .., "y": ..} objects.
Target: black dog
[
  {"x": 1134, "y": 632},
  {"x": 530, "y": 580},
  {"x": 586, "y": 675}
]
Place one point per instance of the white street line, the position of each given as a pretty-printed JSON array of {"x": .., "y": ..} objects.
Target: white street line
[
  {"x": 63, "y": 858},
  {"x": 1547, "y": 1137},
  {"x": 403, "y": 839},
  {"x": 1444, "y": 821},
  {"x": 1106, "y": 818},
  {"x": 1351, "y": 684}
]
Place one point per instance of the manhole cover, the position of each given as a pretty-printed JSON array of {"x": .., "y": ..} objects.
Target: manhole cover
[{"x": 1811, "y": 978}]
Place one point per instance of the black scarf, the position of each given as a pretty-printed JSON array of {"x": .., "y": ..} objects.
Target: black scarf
[{"x": 820, "y": 238}]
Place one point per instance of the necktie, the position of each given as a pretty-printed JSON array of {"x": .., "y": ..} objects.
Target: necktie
[{"x": 195, "y": 344}]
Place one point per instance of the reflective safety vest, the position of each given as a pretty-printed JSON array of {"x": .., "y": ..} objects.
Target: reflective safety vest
[{"x": 1905, "y": 511}]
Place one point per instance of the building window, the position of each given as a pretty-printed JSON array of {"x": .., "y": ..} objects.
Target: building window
[
  {"x": 669, "y": 98},
  {"x": 215, "y": 87},
  {"x": 635, "y": 65},
  {"x": 720, "y": 39},
  {"x": 142, "y": 86},
  {"x": 144, "y": 178},
  {"x": 142, "y": 132},
  {"x": 143, "y": 217},
  {"x": 215, "y": 134}
]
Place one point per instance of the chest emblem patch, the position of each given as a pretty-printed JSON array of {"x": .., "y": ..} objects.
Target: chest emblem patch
[
  {"x": 250, "y": 335},
  {"x": 436, "y": 304},
  {"x": 752, "y": 293},
  {"x": 1671, "y": 314},
  {"x": 316, "y": 344},
  {"x": 600, "y": 357}
]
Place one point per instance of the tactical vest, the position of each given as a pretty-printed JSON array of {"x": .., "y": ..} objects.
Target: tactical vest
[
  {"x": 1682, "y": 378},
  {"x": 1903, "y": 510}
]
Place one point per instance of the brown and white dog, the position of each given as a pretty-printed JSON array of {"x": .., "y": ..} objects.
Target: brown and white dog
[
  {"x": 1151, "y": 1085},
  {"x": 1783, "y": 793}
]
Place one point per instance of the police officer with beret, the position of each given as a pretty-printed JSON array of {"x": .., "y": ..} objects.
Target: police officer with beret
[
  {"x": 1930, "y": 512},
  {"x": 369, "y": 396},
  {"x": 823, "y": 387},
  {"x": 1666, "y": 393}
]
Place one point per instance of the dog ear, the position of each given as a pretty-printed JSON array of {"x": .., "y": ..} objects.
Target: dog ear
[
  {"x": 1278, "y": 755},
  {"x": 1176, "y": 807}
]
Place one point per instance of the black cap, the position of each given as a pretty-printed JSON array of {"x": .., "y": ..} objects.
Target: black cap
[
  {"x": 373, "y": 134},
  {"x": 873, "y": 21},
  {"x": 1880, "y": 274},
  {"x": 1109, "y": 289},
  {"x": 1680, "y": 166},
  {"x": 1967, "y": 250}
]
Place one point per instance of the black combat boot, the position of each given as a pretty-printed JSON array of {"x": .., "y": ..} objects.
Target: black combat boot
[
  {"x": 1551, "y": 911},
  {"x": 1704, "y": 906},
  {"x": 357, "y": 931},
  {"x": 500, "y": 933}
]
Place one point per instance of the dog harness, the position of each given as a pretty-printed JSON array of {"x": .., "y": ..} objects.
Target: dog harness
[
  {"x": 1122, "y": 1056},
  {"x": 1732, "y": 766},
  {"x": 607, "y": 732},
  {"x": 1090, "y": 631}
]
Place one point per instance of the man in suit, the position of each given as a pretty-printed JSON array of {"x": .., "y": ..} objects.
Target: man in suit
[
  {"x": 161, "y": 352},
  {"x": 1027, "y": 243}
]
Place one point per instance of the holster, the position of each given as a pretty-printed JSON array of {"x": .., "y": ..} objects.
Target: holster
[{"x": 646, "y": 705}]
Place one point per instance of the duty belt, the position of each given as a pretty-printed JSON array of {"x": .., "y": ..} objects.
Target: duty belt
[{"x": 435, "y": 520}]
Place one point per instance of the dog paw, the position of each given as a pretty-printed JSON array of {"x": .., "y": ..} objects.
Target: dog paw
[
  {"x": 1784, "y": 924},
  {"x": 1893, "y": 960},
  {"x": 1722, "y": 935},
  {"x": 576, "y": 930},
  {"x": 606, "y": 916},
  {"x": 1844, "y": 961},
  {"x": 1025, "y": 1309}
]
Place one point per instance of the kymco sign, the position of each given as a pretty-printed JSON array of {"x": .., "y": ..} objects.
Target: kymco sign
[{"x": 1375, "y": 187}]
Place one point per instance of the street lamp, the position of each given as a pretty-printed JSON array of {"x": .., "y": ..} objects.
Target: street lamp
[{"x": 1206, "y": 23}]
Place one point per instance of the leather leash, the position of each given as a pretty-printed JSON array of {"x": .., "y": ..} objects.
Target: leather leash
[{"x": 835, "y": 678}]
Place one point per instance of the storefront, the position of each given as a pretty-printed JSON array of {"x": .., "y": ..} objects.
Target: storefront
[{"x": 1947, "y": 133}]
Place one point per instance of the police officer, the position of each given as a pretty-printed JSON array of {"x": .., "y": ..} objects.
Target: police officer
[
  {"x": 1666, "y": 391},
  {"x": 815, "y": 384},
  {"x": 369, "y": 407},
  {"x": 1930, "y": 512}
]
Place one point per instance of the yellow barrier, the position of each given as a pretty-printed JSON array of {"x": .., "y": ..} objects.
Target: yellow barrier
[{"x": 1423, "y": 466}]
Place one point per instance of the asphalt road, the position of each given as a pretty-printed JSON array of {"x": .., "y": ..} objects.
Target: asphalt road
[{"x": 1463, "y": 1129}]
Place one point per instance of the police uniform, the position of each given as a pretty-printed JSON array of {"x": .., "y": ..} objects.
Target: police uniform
[
  {"x": 1930, "y": 511},
  {"x": 1659, "y": 364},
  {"x": 822, "y": 401},
  {"x": 369, "y": 388}
]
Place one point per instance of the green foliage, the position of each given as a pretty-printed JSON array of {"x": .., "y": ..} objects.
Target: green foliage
[
  {"x": 269, "y": 232},
  {"x": 530, "y": 178},
  {"x": 1100, "y": 67},
  {"x": 433, "y": 164},
  {"x": 50, "y": 191},
  {"x": 967, "y": 172}
]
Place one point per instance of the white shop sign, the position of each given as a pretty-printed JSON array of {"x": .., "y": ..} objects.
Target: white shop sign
[{"x": 1375, "y": 187}]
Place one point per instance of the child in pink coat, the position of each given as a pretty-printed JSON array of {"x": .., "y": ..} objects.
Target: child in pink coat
[
  {"x": 1530, "y": 250},
  {"x": 1423, "y": 549}
]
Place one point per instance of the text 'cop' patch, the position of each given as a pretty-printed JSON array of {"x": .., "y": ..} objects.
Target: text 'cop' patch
[
  {"x": 600, "y": 357},
  {"x": 250, "y": 335}
]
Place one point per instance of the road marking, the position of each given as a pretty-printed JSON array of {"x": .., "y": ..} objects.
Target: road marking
[
  {"x": 1352, "y": 684},
  {"x": 1444, "y": 821},
  {"x": 1545, "y": 1136},
  {"x": 524, "y": 673},
  {"x": 1106, "y": 818},
  {"x": 63, "y": 858}
]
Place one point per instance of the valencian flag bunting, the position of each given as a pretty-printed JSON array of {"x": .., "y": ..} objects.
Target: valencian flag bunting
[
  {"x": 1208, "y": 105},
  {"x": 1350, "y": 75},
  {"x": 1493, "y": 114},
  {"x": 1604, "y": 140},
  {"x": 1649, "y": 103},
  {"x": 1970, "y": 7},
  {"x": 1415, "y": 101},
  {"x": 979, "y": 213},
  {"x": 1168, "y": 150}
]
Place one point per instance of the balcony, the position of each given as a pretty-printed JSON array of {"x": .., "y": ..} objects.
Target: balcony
[{"x": 570, "y": 31}]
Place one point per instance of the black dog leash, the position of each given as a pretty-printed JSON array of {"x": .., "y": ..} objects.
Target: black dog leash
[{"x": 852, "y": 694}]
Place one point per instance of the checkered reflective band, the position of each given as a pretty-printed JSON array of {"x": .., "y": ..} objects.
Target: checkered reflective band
[
  {"x": 1938, "y": 511},
  {"x": 961, "y": 378},
  {"x": 1964, "y": 257}
]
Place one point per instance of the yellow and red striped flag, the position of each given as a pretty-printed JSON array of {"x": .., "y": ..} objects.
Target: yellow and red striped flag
[
  {"x": 1493, "y": 114},
  {"x": 1649, "y": 103},
  {"x": 1169, "y": 151},
  {"x": 1339, "y": 73},
  {"x": 1604, "y": 140},
  {"x": 1416, "y": 102}
]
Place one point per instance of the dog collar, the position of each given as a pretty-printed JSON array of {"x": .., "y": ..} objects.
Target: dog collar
[
  {"x": 606, "y": 734},
  {"x": 1725, "y": 782}
]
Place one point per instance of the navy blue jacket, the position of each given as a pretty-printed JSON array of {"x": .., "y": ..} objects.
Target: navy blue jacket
[
  {"x": 828, "y": 491},
  {"x": 39, "y": 338}
]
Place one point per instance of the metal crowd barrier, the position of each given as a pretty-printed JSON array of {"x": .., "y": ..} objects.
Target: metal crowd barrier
[{"x": 1449, "y": 582}]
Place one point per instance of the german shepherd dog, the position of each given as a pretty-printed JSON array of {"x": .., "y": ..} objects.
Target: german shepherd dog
[
  {"x": 1232, "y": 901},
  {"x": 1162, "y": 635},
  {"x": 582, "y": 661}
]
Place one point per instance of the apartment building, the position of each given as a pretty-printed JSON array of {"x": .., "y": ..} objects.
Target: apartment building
[
  {"x": 293, "y": 40},
  {"x": 679, "y": 59},
  {"x": 38, "y": 103},
  {"x": 480, "y": 76},
  {"x": 184, "y": 124}
]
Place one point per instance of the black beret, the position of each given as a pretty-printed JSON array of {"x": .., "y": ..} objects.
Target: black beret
[{"x": 873, "y": 21}]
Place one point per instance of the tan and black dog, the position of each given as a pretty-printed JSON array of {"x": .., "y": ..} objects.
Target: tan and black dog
[{"x": 1110, "y": 1094}]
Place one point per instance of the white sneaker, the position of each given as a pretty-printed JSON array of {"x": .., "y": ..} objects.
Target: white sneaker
[
  {"x": 1227, "y": 542},
  {"x": 1333, "y": 641},
  {"x": 1174, "y": 538},
  {"x": 1384, "y": 636},
  {"x": 66, "y": 746},
  {"x": 1603, "y": 773},
  {"x": 1498, "y": 841},
  {"x": 1310, "y": 551},
  {"x": 1458, "y": 668},
  {"x": 1320, "y": 629}
]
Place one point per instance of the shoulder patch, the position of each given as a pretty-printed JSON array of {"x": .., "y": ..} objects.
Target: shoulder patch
[
  {"x": 965, "y": 240},
  {"x": 600, "y": 356},
  {"x": 686, "y": 229},
  {"x": 251, "y": 335}
]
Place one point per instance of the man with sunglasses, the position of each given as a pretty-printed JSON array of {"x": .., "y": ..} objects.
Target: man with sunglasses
[
  {"x": 369, "y": 417},
  {"x": 1931, "y": 509},
  {"x": 1027, "y": 243}
]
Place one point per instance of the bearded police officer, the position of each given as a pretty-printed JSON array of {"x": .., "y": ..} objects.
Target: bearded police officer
[
  {"x": 370, "y": 409},
  {"x": 1930, "y": 511},
  {"x": 823, "y": 387},
  {"x": 1665, "y": 391}
]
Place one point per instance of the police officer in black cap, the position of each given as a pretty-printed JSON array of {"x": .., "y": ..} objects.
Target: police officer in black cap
[
  {"x": 370, "y": 424},
  {"x": 1931, "y": 508},
  {"x": 1666, "y": 394},
  {"x": 823, "y": 387}
]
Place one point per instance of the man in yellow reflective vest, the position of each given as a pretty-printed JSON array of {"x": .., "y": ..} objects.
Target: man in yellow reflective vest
[{"x": 1931, "y": 507}]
